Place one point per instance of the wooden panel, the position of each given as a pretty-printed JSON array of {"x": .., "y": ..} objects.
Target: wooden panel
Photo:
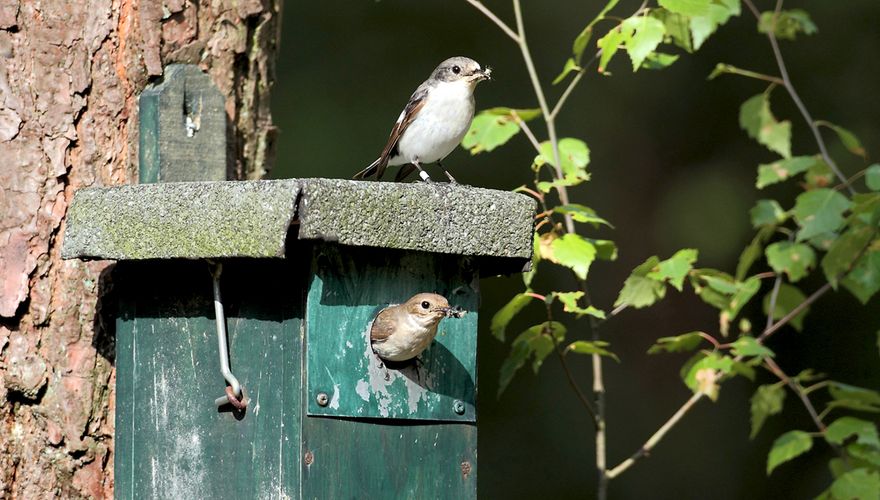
[
  {"x": 352, "y": 458},
  {"x": 349, "y": 286},
  {"x": 172, "y": 442}
]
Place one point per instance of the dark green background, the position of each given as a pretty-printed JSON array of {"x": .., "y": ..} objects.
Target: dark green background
[{"x": 671, "y": 169}]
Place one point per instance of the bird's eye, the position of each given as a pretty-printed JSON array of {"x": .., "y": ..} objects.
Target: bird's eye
[
  {"x": 456, "y": 70},
  {"x": 425, "y": 304}
]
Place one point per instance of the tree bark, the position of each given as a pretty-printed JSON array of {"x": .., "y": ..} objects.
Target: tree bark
[{"x": 69, "y": 80}]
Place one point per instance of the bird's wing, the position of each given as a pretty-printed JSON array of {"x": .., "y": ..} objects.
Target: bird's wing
[
  {"x": 416, "y": 102},
  {"x": 383, "y": 326}
]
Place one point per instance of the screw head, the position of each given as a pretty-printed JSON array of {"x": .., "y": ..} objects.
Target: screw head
[
  {"x": 322, "y": 399},
  {"x": 458, "y": 407}
]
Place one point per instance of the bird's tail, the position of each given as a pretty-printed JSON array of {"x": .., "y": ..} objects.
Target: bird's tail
[{"x": 377, "y": 167}]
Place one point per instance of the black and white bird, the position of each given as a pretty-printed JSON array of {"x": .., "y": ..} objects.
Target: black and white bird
[{"x": 434, "y": 120}]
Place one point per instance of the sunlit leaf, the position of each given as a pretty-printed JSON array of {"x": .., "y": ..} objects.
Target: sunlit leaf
[
  {"x": 502, "y": 318},
  {"x": 702, "y": 26},
  {"x": 596, "y": 347},
  {"x": 844, "y": 427},
  {"x": 675, "y": 268},
  {"x": 648, "y": 33},
  {"x": 494, "y": 127},
  {"x": 582, "y": 40},
  {"x": 778, "y": 171},
  {"x": 864, "y": 279},
  {"x": 574, "y": 155},
  {"x": 787, "y": 24},
  {"x": 752, "y": 252},
  {"x": 659, "y": 60},
  {"x": 767, "y": 213},
  {"x": 788, "y": 446},
  {"x": 570, "y": 66},
  {"x": 610, "y": 44},
  {"x": 787, "y": 299},
  {"x": 793, "y": 259},
  {"x": 749, "y": 346},
  {"x": 676, "y": 26},
  {"x": 854, "y": 398},
  {"x": 758, "y": 121},
  {"x": 581, "y": 213},
  {"x": 570, "y": 304},
  {"x": 703, "y": 374},
  {"x": 639, "y": 290},
  {"x": 767, "y": 401},
  {"x": 574, "y": 252},
  {"x": 686, "y": 7},
  {"x": 819, "y": 211},
  {"x": 849, "y": 140},
  {"x": 857, "y": 484},
  {"x": 680, "y": 343},
  {"x": 843, "y": 252}
]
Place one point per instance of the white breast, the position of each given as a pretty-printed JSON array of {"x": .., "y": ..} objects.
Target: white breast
[{"x": 439, "y": 126}]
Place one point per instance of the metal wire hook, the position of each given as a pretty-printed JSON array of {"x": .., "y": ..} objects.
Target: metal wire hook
[{"x": 235, "y": 393}]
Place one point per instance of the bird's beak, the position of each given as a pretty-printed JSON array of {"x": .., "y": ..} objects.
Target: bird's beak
[{"x": 482, "y": 74}]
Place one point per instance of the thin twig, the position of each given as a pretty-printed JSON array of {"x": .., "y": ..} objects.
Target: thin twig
[
  {"x": 528, "y": 131},
  {"x": 794, "y": 312},
  {"x": 501, "y": 24},
  {"x": 572, "y": 84},
  {"x": 786, "y": 82},
  {"x": 798, "y": 390},
  {"x": 656, "y": 437},
  {"x": 575, "y": 387}
]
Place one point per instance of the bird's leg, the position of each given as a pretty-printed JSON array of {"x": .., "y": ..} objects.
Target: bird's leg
[
  {"x": 451, "y": 178},
  {"x": 424, "y": 175}
]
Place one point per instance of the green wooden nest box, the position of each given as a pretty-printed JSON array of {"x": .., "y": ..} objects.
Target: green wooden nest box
[{"x": 307, "y": 264}]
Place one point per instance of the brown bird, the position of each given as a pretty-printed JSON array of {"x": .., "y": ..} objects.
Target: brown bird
[{"x": 402, "y": 332}]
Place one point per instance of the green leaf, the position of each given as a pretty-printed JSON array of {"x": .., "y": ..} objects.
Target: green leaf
[
  {"x": 866, "y": 209},
  {"x": 580, "y": 43},
  {"x": 583, "y": 38},
  {"x": 677, "y": 28},
  {"x": 793, "y": 259},
  {"x": 570, "y": 65},
  {"x": 758, "y": 121},
  {"x": 659, "y": 60},
  {"x": 872, "y": 177},
  {"x": 767, "y": 213},
  {"x": 767, "y": 401},
  {"x": 869, "y": 455},
  {"x": 844, "y": 427},
  {"x": 864, "y": 279},
  {"x": 680, "y": 343},
  {"x": 720, "y": 290},
  {"x": 843, "y": 252},
  {"x": 536, "y": 342},
  {"x": 502, "y": 318},
  {"x": 573, "y": 154},
  {"x": 857, "y": 484},
  {"x": 494, "y": 127},
  {"x": 749, "y": 346},
  {"x": 787, "y": 25},
  {"x": 752, "y": 252},
  {"x": 570, "y": 304},
  {"x": 819, "y": 176},
  {"x": 639, "y": 290},
  {"x": 675, "y": 268},
  {"x": 854, "y": 398},
  {"x": 702, "y": 375},
  {"x": 849, "y": 140},
  {"x": 819, "y": 211},
  {"x": 605, "y": 249},
  {"x": 778, "y": 171},
  {"x": 686, "y": 7},
  {"x": 702, "y": 26},
  {"x": 575, "y": 253},
  {"x": 610, "y": 43},
  {"x": 648, "y": 35},
  {"x": 596, "y": 347},
  {"x": 788, "y": 298},
  {"x": 581, "y": 213},
  {"x": 788, "y": 446}
]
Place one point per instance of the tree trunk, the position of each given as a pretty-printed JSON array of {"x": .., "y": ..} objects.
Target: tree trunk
[{"x": 69, "y": 80}]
